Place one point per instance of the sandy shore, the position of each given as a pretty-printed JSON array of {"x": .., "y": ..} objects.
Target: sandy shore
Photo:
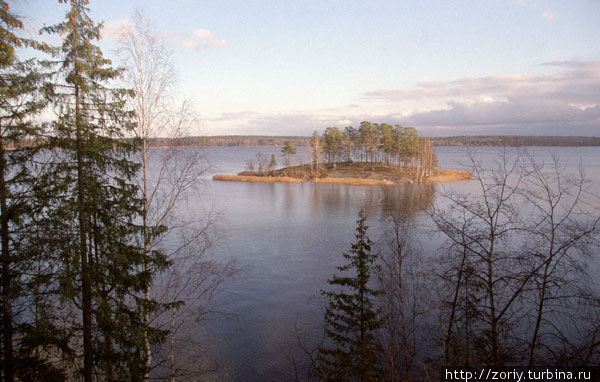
[{"x": 440, "y": 175}]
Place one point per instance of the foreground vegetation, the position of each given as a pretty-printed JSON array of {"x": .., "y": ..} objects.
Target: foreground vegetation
[
  {"x": 508, "y": 285},
  {"x": 89, "y": 291}
]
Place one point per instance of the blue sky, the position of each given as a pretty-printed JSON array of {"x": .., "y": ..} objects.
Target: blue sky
[{"x": 524, "y": 67}]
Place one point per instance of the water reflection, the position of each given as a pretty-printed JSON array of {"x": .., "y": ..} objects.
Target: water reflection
[
  {"x": 289, "y": 238},
  {"x": 408, "y": 198},
  {"x": 376, "y": 201}
]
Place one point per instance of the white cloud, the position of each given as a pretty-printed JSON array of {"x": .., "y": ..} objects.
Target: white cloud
[
  {"x": 567, "y": 100},
  {"x": 576, "y": 82},
  {"x": 293, "y": 123},
  {"x": 113, "y": 29},
  {"x": 288, "y": 123},
  {"x": 202, "y": 39},
  {"x": 233, "y": 116},
  {"x": 548, "y": 15},
  {"x": 197, "y": 39}
]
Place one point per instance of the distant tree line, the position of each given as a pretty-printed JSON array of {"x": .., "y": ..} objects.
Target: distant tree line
[
  {"x": 472, "y": 140},
  {"x": 228, "y": 141},
  {"x": 515, "y": 141},
  {"x": 272, "y": 140}
]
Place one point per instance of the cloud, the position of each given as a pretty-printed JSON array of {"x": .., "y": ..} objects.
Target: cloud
[
  {"x": 573, "y": 64},
  {"x": 548, "y": 16},
  {"x": 233, "y": 116},
  {"x": 568, "y": 99},
  {"x": 577, "y": 83},
  {"x": 507, "y": 113},
  {"x": 202, "y": 39},
  {"x": 197, "y": 39},
  {"x": 113, "y": 29},
  {"x": 286, "y": 123}
]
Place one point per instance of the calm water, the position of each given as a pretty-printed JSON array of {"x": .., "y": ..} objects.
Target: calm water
[{"x": 288, "y": 238}]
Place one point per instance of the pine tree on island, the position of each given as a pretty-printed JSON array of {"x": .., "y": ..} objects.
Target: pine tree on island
[{"x": 289, "y": 151}]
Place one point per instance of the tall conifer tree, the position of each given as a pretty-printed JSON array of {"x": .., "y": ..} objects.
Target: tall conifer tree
[
  {"x": 350, "y": 350},
  {"x": 20, "y": 101},
  {"x": 98, "y": 206}
]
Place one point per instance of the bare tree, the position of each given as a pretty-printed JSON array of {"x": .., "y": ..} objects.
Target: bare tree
[
  {"x": 516, "y": 248},
  {"x": 169, "y": 176},
  {"x": 300, "y": 348},
  {"x": 562, "y": 234},
  {"x": 317, "y": 153},
  {"x": 263, "y": 163},
  {"x": 481, "y": 229},
  {"x": 250, "y": 164},
  {"x": 403, "y": 279}
]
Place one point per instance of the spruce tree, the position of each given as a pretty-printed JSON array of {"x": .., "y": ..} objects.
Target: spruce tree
[
  {"x": 21, "y": 100},
  {"x": 97, "y": 207},
  {"x": 350, "y": 351}
]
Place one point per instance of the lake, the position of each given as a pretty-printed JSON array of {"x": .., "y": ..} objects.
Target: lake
[{"x": 288, "y": 239}]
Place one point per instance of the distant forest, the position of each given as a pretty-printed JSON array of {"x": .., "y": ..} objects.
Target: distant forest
[{"x": 476, "y": 140}]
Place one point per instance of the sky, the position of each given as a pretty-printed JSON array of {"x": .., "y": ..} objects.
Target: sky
[{"x": 465, "y": 67}]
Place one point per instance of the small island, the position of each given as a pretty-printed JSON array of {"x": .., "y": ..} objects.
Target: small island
[
  {"x": 372, "y": 155},
  {"x": 356, "y": 174}
]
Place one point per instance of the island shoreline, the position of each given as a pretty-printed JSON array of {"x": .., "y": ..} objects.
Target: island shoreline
[{"x": 442, "y": 175}]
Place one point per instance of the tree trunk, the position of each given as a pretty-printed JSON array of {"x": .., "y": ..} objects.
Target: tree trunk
[
  {"x": 172, "y": 347},
  {"x": 7, "y": 316},
  {"x": 147, "y": 348},
  {"x": 491, "y": 295},
  {"x": 110, "y": 374},
  {"x": 538, "y": 320},
  {"x": 86, "y": 293}
]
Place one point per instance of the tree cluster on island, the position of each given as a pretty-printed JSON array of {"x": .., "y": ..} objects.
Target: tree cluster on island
[
  {"x": 380, "y": 143},
  {"x": 373, "y": 147}
]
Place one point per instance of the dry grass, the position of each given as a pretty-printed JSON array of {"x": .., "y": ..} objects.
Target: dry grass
[
  {"x": 439, "y": 175},
  {"x": 356, "y": 181},
  {"x": 261, "y": 179},
  {"x": 444, "y": 175}
]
